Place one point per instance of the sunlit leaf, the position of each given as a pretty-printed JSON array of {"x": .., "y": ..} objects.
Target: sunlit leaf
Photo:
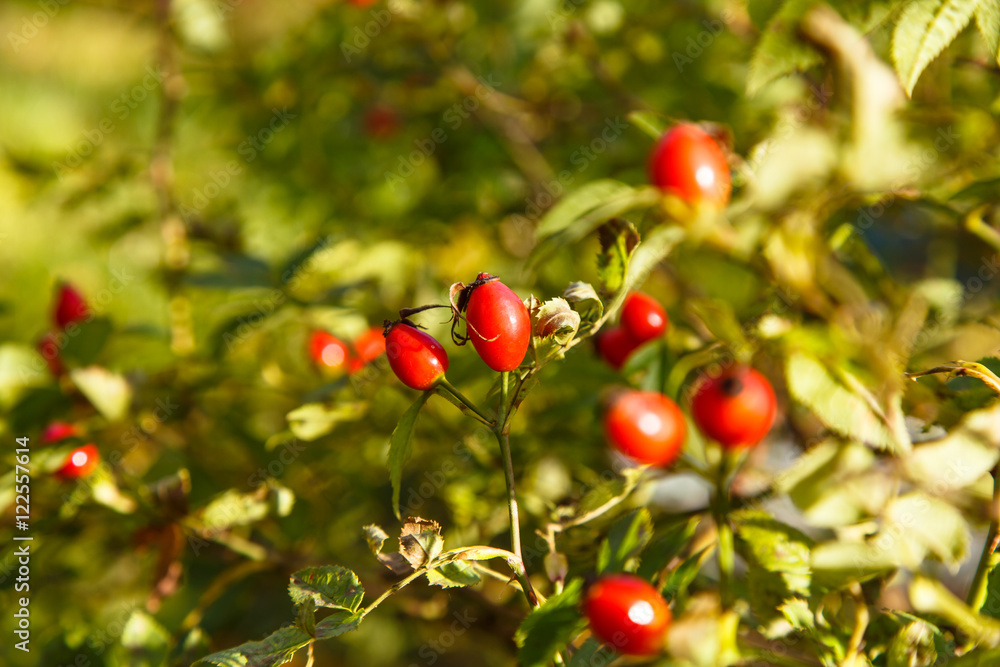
[
  {"x": 549, "y": 628},
  {"x": 399, "y": 447},
  {"x": 924, "y": 29},
  {"x": 329, "y": 586}
]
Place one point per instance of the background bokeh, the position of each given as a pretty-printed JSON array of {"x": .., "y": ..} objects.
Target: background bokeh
[{"x": 219, "y": 178}]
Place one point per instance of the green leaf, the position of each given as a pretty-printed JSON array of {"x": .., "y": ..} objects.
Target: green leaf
[
  {"x": 721, "y": 321},
  {"x": 277, "y": 649},
  {"x": 933, "y": 523},
  {"x": 336, "y": 624},
  {"x": 306, "y": 616},
  {"x": 769, "y": 545},
  {"x": 679, "y": 578},
  {"x": 650, "y": 122},
  {"x": 912, "y": 646},
  {"x": 592, "y": 653},
  {"x": 961, "y": 458},
  {"x": 931, "y": 597},
  {"x": 577, "y": 204},
  {"x": 618, "y": 241},
  {"x": 584, "y": 300},
  {"x": 21, "y": 368},
  {"x": 109, "y": 392},
  {"x": 146, "y": 640},
  {"x": 834, "y": 484},
  {"x": 453, "y": 575},
  {"x": 925, "y": 28},
  {"x": 666, "y": 546},
  {"x": 551, "y": 627},
  {"x": 780, "y": 52},
  {"x": 837, "y": 564},
  {"x": 626, "y": 540},
  {"x": 314, "y": 420},
  {"x": 399, "y": 447},
  {"x": 329, "y": 586},
  {"x": 233, "y": 508},
  {"x": 988, "y": 22},
  {"x": 586, "y": 209},
  {"x": 84, "y": 341},
  {"x": 838, "y": 408}
]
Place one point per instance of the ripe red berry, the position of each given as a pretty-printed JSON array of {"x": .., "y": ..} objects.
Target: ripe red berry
[
  {"x": 615, "y": 346},
  {"x": 498, "y": 323},
  {"x": 643, "y": 317},
  {"x": 646, "y": 426},
  {"x": 687, "y": 162},
  {"x": 416, "y": 357},
  {"x": 328, "y": 351},
  {"x": 629, "y": 613},
  {"x": 48, "y": 347},
  {"x": 81, "y": 462},
  {"x": 736, "y": 409},
  {"x": 57, "y": 431},
  {"x": 70, "y": 306}
]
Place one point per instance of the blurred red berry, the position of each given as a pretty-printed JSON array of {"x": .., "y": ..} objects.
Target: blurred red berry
[
  {"x": 70, "y": 306},
  {"x": 81, "y": 462},
  {"x": 57, "y": 431}
]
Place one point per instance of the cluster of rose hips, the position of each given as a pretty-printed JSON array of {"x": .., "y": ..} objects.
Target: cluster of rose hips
[
  {"x": 735, "y": 408},
  {"x": 497, "y": 324}
]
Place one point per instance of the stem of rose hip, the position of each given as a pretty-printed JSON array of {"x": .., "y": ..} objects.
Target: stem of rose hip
[
  {"x": 502, "y": 432},
  {"x": 720, "y": 511},
  {"x": 451, "y": 389}
]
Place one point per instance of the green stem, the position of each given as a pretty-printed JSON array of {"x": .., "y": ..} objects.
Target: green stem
[
  {"x": 451, "y": 389},
  {"x": 720, "y": 510},
  {"x": 502, "y": 432},
  {"x": 410, "y": 578},
  {"x": 989, "y": 558}
]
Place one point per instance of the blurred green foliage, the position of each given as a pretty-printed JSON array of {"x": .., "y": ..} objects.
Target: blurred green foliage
[{"x": 219, "y": 178}]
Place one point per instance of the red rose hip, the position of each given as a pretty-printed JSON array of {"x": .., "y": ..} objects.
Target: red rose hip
[
  {"x": 57, "y": 431},
  {"x": 70, "y": 306},
  {"x": 328, "y": 351},
  {"x": 416, "y": 357},
  {"x": 736, "y": 409},
  {"x": 687, "y": 162},
  {"x": 646, "y": 426},
  {"x": 615, "y": 346},
  {"x": 643, "y": 317},
  {"x": 81, "y": 462},
  {"x": 628, "y": 613},
  {"x": 498, "y": 323}
]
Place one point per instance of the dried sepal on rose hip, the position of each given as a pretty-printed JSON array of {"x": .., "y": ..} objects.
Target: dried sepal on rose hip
[
  {"x": 416, "y": 357},
  {"x": 497, "y": 321},
  {"x": 735, "y": 408}
]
